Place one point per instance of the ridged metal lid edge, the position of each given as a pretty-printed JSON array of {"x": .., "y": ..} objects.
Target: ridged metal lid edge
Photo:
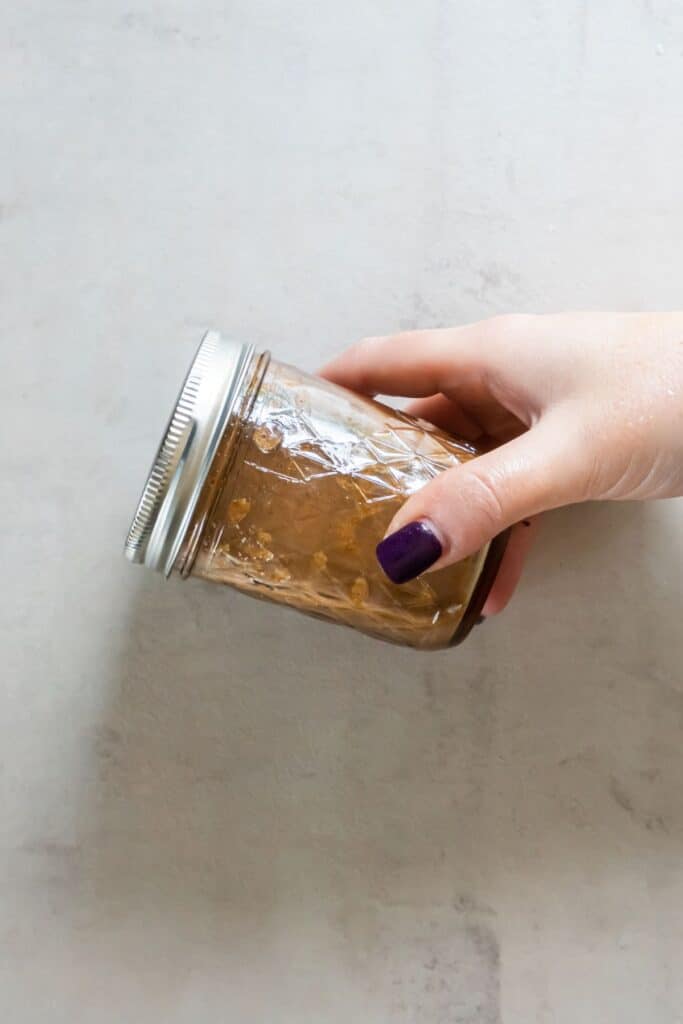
[{"x": 206, "y": 401}]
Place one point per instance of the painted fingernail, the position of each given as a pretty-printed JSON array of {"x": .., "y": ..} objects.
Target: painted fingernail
[{"x": 408, "y": 552}]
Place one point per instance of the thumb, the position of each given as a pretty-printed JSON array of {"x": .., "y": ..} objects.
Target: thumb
[{"x": 465, "y": 507}]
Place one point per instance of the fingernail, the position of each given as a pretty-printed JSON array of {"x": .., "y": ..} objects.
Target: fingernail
[{"x": 408, "y": 552}]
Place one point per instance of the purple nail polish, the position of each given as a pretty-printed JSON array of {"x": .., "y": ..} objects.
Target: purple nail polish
[{"x": 408, "y": 552}]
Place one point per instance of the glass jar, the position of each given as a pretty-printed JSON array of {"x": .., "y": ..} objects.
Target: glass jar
[{"x": 281, "y": 485}]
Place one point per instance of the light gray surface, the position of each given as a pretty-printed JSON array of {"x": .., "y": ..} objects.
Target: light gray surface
[{"x": 213, "y": 810}]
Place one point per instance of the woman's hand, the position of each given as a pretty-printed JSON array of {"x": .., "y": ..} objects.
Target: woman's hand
[{"x": 583, "y": 406}]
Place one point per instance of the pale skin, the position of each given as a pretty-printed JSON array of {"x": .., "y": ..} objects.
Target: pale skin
[{"x": 581, "y": 406}]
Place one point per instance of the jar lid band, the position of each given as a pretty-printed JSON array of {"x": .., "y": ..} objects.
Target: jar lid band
[{"x": 208, "y": 398}]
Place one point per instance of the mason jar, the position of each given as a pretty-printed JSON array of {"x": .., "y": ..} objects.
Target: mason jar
[{"x": 281, "y": 485}]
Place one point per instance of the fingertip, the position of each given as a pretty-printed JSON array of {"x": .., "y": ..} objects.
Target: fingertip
[
  {"x": 351, "y": 368},
  {"x": 412, "y": 364},
  {"x": 512, "y": 566}
]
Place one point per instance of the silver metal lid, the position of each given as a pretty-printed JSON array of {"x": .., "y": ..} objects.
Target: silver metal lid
[{"x": 207, "y": 400}]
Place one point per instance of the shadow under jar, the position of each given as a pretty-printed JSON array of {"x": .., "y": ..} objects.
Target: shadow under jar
[{"x": 282, "y": 485}]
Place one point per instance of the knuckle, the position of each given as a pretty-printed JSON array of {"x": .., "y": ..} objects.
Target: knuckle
[
  {"x": 591, "y": 442},
  {"x": 496, "y": 329},
  {"x": 590, "y": 481},
  {"x": 368, "y": 344},
  {"x": 479, "y": 496},
  {"x": 509, "y": 327},
  {"x": 582, "y": 460}
]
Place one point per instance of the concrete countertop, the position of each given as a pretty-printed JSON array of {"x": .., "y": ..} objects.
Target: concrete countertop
[{"x": 212, "y": 809}]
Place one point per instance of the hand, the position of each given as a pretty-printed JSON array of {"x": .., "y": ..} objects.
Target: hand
[{"x": 583, "y": 406}]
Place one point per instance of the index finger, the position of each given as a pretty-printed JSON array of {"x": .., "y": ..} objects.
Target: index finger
[{"x": 414, "y": 363}]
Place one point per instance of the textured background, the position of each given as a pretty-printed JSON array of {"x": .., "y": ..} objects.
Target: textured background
[{"x": 214, "y": 810}]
